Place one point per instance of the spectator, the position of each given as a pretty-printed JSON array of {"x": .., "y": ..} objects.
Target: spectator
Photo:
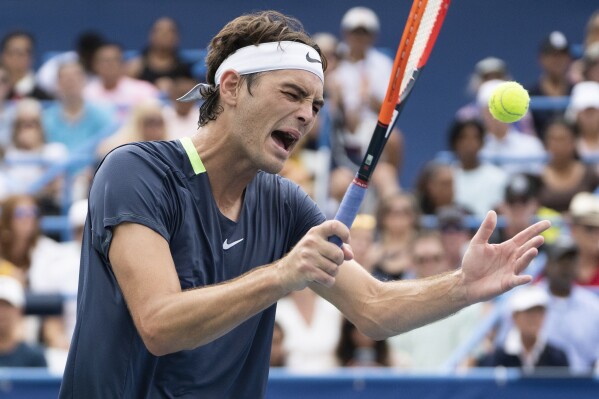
[
  {"x": 455, "y": 233},
  {"x": 584, "y": 111},
  {"x": 21, "y": 240},
  {"x": 86, "y": 45},
  {"x": 521, "y": 204},
  {"x": 146, "y": 123},
  {"x": 489, "y": 68},
  {"x": 479, "y": 186},
  {"x": 358, "y": 350},
  {"x": 363, "y": 232},
  {"x": 16, "y": 54},
  {"x": 485, "y": 70},
  {"x": 398, "y": 220},
  {"x": 430, "y": 346},
  {"x": 13, "y": 351},
  {"x": 112, "y": 87},
  {"x": 160, "y": 62},
  {"x": 505, "y": 144},
  {"x": 362, "y": 76},
  {"x": 435, "y": 187},
  {"x": 591, "y": 63},
  {"x": 181, "y": 117},
  {"x": 278, "y": 357},
  {"x": 311, "y": 327},
  {"x": 571, "y": 305},
  {"x": 555, "y": 61},
  {"x": 60, "y": 275},
  {"x": 7, "y": 112},
  {"x": 29, "y": 155},
  {"x": 592, "y": 29},
  {"x": 565, "y": 174},
  {"x": 584, "y": 213},
  {"x": 526, "y": 346},
  {"x": 73, "y": 121},
  {"x": 591, "y": 37}
]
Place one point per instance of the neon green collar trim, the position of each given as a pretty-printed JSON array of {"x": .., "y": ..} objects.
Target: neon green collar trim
[{"x": 192, "y": 154}]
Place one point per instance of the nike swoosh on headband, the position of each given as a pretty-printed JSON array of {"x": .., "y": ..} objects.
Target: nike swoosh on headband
[{"x": 313, "y": 60}]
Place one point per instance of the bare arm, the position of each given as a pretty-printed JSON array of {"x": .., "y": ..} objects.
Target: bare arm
[
  {"x": 169, "y": 320},
  {"x": 385, "y": 309}
]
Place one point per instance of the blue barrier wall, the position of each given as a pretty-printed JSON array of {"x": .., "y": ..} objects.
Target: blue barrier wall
[
  {"x": 357, "y": 384},
  {"x": 474, "y": 29}
]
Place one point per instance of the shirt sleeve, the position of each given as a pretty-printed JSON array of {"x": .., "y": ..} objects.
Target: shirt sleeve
[{"x": 130, "y": 186}]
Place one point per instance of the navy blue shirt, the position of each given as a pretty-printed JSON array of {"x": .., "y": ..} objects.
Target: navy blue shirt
[{"x": 165, "y": 188}]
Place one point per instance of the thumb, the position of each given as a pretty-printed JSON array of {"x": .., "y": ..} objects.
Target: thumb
[{"x": 486, "y": 229}]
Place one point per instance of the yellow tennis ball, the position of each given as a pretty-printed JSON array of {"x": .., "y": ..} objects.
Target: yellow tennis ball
[{"x": 509, "y": 102}]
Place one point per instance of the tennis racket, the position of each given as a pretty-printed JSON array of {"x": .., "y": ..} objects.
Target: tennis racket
[{"x": 419, "y": 36}]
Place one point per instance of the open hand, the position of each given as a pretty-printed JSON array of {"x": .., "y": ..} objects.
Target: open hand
[{"x": 492, "y": 269}]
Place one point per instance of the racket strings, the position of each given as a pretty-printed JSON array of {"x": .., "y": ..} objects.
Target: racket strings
[{"x": 429, "y": 19}]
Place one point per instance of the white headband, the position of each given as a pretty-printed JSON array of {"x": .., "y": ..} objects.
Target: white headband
[{"x": 264, "y": 57}]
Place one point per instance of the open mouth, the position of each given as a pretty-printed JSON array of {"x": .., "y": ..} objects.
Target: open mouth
[{"x": 284, "y": 140}]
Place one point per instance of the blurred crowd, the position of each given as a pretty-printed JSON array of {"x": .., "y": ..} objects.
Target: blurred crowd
[{"x": 58, "y": 121}]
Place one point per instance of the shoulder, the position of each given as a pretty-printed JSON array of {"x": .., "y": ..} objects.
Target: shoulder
[{"x": 156, "y": 157}]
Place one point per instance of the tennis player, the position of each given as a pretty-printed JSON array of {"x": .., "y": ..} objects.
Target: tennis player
[{"x": 190, "y": 243}]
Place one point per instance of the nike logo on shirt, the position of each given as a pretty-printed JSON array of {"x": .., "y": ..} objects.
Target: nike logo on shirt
[{"x": 227, "y": 245}]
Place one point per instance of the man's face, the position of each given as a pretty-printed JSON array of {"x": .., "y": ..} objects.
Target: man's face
[
  {"x": 530, "y": 321},
  {"x": 17, "y": 56},
  {"x": 561, "y": 272},
  {"x": 281, "y": 109},
  {"x": 469, "y": 143},
  {"x": 428, "y": 257},
  {"x": 108, "y": 63},
  {"x": 71, "y": 80},
  {"x": 586, "y": 236}
]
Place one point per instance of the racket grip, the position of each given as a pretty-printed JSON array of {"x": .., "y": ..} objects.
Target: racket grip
[{"x": 350, "y": 205}]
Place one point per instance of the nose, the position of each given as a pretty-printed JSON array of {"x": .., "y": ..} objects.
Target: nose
[{"x": 306, "y": 113}]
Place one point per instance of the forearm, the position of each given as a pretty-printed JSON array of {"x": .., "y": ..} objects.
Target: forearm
[
  {"x": 192, "y": 318},
  {"x": 405, "y": 305}
]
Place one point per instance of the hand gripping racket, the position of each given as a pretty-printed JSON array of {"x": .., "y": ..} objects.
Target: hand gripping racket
[{"x": 419, "y": 36}]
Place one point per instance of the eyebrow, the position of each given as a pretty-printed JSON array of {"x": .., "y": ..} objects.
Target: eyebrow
[{"x": 303, "y": 93}]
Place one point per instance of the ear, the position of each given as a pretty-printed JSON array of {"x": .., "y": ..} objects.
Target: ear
[{"x": 229, "y": 87}]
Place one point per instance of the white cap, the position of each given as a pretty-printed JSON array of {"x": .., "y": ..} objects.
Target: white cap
[
  {"x": 78, "y": 213},
  {"x": 528, "y": 297},
  {"x": 11, "y": 291},
  {"x": 584, "y": 95},
  {"x": 360, "y": 17},
  {"x": 584, "y": 208},
  {"x": 485, "y": 91}
]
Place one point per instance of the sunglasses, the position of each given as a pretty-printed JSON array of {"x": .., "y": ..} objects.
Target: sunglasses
[
  {"x": 26, "y": 211},
  {"x": 431, "y": 258}
]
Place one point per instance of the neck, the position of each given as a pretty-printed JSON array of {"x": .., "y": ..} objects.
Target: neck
[
  {"x": 528, "y": 342},
  {"x": 563, "y": 166},
  {"x": 72, "y": 105},
  {"x": 229, "y": 175},
  {"x": 110, "y": 84},
  {"x": 560, "y": 291},
  {"x": 470, "y": 163}
]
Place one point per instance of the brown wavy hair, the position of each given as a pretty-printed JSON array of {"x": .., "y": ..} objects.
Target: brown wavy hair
[{"x": 247, "y": 30}]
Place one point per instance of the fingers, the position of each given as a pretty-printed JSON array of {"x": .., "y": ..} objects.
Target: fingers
[
  {"x": 523, "y": 261},
  {"x": 520, "y": 280},
  {"x": 522, "y": 237},
  {"x": 333, "y": 228},
  {"x": 486, "y": 229},
  {"x": 534, "y": 242}
]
